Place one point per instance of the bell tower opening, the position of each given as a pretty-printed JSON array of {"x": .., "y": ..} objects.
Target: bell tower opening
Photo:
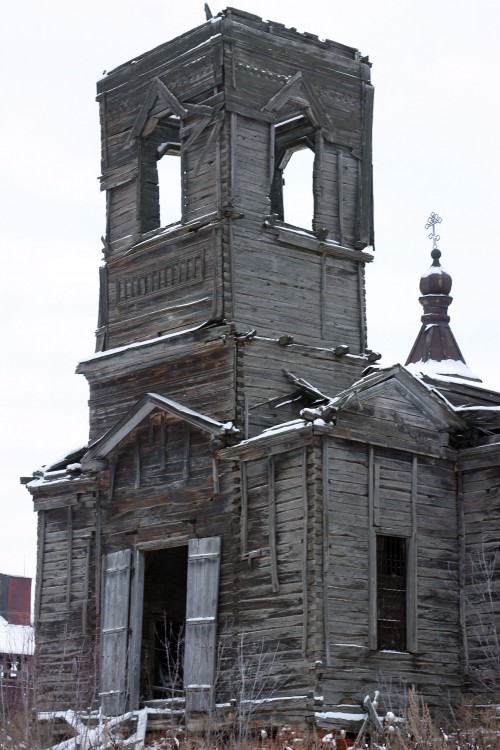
[
  {"x": 292, "y": 196},
  {"x": 161, "y": 174}
]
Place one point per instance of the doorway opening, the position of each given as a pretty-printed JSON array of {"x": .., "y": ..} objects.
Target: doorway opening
[{"x": 163, "y": 623}]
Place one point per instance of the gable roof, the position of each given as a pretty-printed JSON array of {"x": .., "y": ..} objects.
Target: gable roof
[
  {"x": 140, "y": 410},
  {"x": 429, "y": 400},
  {"x": 322, "y": 419}
]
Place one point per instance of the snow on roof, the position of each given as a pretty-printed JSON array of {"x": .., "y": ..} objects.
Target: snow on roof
[
  {"x": 138, "y": 344},
  {"x": 16, "y": 639},
  {"x": 450, "y": 367}
]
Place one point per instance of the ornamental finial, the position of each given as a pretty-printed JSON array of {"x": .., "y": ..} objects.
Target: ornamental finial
[{"x": 431, "y": 222}]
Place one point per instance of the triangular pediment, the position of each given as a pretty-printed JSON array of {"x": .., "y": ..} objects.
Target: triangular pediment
[
  {"x": 141, "y": 410},
  {"x": 298, "y": 92},
  {"x": 395, "y": 393}
]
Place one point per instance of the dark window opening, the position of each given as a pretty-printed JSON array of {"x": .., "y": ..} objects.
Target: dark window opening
[
  {"x": 161, "y": 175},
  {"x": 391, "y": 593},
  {"x": 292, "y": 195},
  {"x": 163, "y": 625}
]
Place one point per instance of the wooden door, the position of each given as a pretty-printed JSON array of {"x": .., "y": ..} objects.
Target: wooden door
[
  {"x": 114, "y": 634},
  {"x": 201, "y": 622}
]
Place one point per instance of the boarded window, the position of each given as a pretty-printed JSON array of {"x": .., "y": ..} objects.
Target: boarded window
[
  {"x": 292, "y": 197},
  {"x": 391, "y": 593}
]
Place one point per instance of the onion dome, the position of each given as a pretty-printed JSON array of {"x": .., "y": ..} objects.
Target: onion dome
[{"x": 435, "y": 350}]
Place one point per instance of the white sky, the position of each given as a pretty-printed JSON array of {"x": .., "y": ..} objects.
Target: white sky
[{"x": 435, "y": 69}]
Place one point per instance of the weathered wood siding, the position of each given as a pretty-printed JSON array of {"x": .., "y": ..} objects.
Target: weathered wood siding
[
  {"x": 273, "y": 562},
  {"x": 167, "y": 284},
  {"x": 260, "y": 378},
  {"x": 479, "y": 493},
  {"x": 410, "y": 496},
  {"x": 196, "y": 369},
  {"x": 224, "y": 86},
  {"x": 65, "y": 605}
]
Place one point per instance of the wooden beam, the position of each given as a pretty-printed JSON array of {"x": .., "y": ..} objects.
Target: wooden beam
[
  {"x": 372, "y": 556},
  {"x": 86, "y": 579},
  {"x": 326, "y": 549},
  {"x": 40, "y": 563},
  {"x": 137, "y": 459},
  {"x": 305, "y": 553},
  {"x": 412, "y": 580},
  {"x": 163, "y": 441},
  {"x": 272, "y": 523},
  {"x": 340, "y": 189},
  {"x": 187, "y": 452},
  {"x": 244, "y": 509},
  {"x": 98, "y": 552},
  {"x": 462, "y": 569},
  {"x": 69, "y": 555}
]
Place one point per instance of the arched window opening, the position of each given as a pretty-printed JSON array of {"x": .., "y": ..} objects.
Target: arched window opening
[
  {"x": 292, "y": 196},
  {"x": 161, "y": 183},
  {"x": 298, "y": 197}
]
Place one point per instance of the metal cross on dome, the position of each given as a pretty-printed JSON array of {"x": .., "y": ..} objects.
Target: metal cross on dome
[{"x": 431, "y": 222}]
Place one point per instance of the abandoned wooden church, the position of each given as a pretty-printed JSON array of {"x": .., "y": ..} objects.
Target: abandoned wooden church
[{"x": 253, "y": 479}]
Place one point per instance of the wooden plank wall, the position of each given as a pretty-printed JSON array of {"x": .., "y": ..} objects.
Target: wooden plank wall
[
  {"x": 273, "y": 563},
  {"x": 188, "y": 71},
  {"x": 227, "y": 158},
  {"x": 480, "y": 514},
  {"x": 260, "y": 376},
  {"x": 174, "y": 283},
  {"x": 187, "y": 372},
  {"x": 354, "y": 667},
  {"x": 67, "y": 653}
]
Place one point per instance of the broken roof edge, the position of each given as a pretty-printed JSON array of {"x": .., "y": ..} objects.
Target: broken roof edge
[
  {"x": 134, "y": 416},
  {"x": 215, "y": 27}
]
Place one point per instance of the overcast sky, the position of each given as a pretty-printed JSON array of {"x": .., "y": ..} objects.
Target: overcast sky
[{"x": 436, "y": 134}]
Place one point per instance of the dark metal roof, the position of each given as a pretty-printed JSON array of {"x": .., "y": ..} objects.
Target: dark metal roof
[{"x": 435, "y": 342}]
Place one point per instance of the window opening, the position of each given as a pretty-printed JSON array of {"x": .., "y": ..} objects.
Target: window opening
[
  {"x": 161, "y": 176},
  {"x": 391, "y": 593},
  {"x": 163, "y": 625},
  {"x": 298, "y": 198},
  {"x": 168, "y": 168},
  {"x": 292, "y": 195}
]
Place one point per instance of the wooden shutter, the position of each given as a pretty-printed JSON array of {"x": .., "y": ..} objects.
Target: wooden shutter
[
  {"x": 114, "y": 634},
  {"x": 201, "y": 622}
]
